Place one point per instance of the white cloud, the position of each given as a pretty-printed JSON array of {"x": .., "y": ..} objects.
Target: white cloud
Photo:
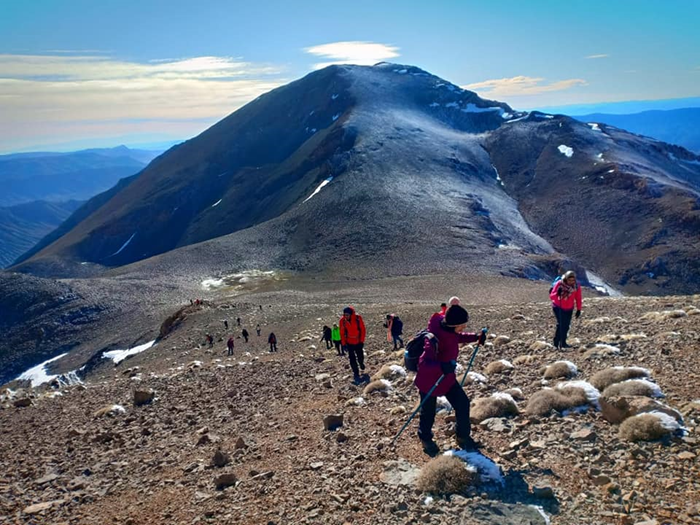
[
  {"x": 360, "y": 53},
  {"x": 521, "y": 86},
  {"x": 71, "y": 97},
  {"x": 593, "y": 57}
]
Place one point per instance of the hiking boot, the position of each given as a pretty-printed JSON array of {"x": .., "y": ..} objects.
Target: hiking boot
[
  {"x": 564, "y": 345},
  {"x": 357, "y": 380},
  {"x": 468, "y": 444},
  {"x": 430, "y": 448}
]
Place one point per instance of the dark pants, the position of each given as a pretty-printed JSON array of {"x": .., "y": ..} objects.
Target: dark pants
[
  {"x": 246, "y": 338},
  {"x": 563, "y": 324},
  {"x": 356, "y": 355},
  {"x": 397, "y": 339},
  {"x": 459, "y": 401},
  {"x": 230, "y": 350},
  {"x": 273, "y": 347},
  {"x": 328, "y": 344},
  {"x": 338, "y": 347}
]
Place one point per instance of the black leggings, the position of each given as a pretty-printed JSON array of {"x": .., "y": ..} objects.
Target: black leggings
[
  {"x": 563, "y": 324},
  {"x": 459, "y": 401},
  {"x": 338, "y": 347},
  {"x": 356, "y": 355}
]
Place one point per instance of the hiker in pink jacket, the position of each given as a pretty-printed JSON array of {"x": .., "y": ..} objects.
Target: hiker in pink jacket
[
  {"x": 565, "y": 293},
  {"x": 442, "y": 359}
]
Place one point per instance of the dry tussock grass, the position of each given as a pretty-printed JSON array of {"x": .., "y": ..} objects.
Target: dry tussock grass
[
  {"x": 376, "y": 386},
  {"x": 497, "y": 367},
  {"x": 558, "y": 370},
  {"x": 545, "y": 401},
  {"x": 386, "y": 372},
  {"x": 524, "y": 360},
  {"x": 663, "y": 316},
  {"x": 493, "y": 406},
  {"x": 643, "y": 427},
  {"x": 501, "y": 340},
  {"x": 631, "y": 388},
  {"x": 444, "y": 475},
  {"x": 540, "y": 346},
  {"x": 603, "y": 379}
]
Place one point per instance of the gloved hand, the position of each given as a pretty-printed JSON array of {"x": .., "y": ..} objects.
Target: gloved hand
[
  {"x": 560, "y": 291},
  {"x": 578, "y": 314},
  {"x": 482, "y": 338},
  {"x": 448, "y": 367}
]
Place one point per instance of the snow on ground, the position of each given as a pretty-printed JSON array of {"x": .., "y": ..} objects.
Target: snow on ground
[
  {"x": 503, "y": 395},
  {"x": 566, "y": 150},
  {"x": 592, "y": 393},
  {"x": 539, "y": 509},
  {"x": 434, "y": 105},
  {"x": 668, "y": 422},
  {"x": 319, "y": 188},
  {"x": 216, "y": 203},
  {"x": 594, "y": 126},
  {"x": 498, "y": 176},
  {"x": 37, "y": 375},
  {"x": 124, "y": 245},
  {"x": 524, "y": 116},
  {"x": 473, "y": 108},
  {"x": 506, "y": 363},
  {"x": 336, "y": 116},
  {"x": 572, "y": 367},
  {"x": 609, "y": 348},
  {"x": 443, "y": 404},
  {"x": 655, "y": 389},
  {"x": 208, "y": 284},
  {"x": 601, "y": 285},
  {"x": 488, "y": 471},
  {"x": 334, "y": 96},
  {"x": 119, "y": 355},
  {"x": 476, "y": 377},
  {"x": 398, "y": 369}
]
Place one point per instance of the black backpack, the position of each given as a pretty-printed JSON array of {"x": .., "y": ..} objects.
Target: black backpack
[{"x": 415, "y": 348}]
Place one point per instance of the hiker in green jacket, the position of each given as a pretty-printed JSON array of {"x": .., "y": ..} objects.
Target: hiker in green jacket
[{"x": 335, "y": 337}]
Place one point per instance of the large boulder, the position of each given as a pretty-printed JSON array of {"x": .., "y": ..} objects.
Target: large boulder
[
  {"x": 616, "y": 409},
  {"x": 143, "y": 397}
]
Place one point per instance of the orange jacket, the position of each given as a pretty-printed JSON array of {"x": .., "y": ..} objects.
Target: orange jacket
[{"x": 353, "y": 331}]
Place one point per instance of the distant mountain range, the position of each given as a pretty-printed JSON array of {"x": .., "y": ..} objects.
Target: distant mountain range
[
  {"x": 41, "y": 189},
  {"x": 26, "y": 177},
  {"x": 675, "y": 126}
]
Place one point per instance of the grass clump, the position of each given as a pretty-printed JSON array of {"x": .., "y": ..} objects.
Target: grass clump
[
  {"x": 633, "y": 387},
  {"x": 649, "y": 426},
  {"x": 499, "y": 367},
  {"x": 560, "y": 370},
  {"x": 546, "y": 401},
  {"x": 496, "y": 405},
  {"x": 445, "y": 475},
  {"x": 603, "y": 379},
  {"x": 380, "y": 385}
]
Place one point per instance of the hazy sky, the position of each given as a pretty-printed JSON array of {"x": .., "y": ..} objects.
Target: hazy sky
[{"x": 79, "y": 73}]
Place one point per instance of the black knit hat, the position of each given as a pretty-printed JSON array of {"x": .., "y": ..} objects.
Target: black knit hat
[{"x": 456, "y": 315}]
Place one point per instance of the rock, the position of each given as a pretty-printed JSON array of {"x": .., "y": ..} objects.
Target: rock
[
  {"x": 22, "y": 403},
  {"x": 328, "y": 384},
  {"x": 341, "y": 437},
  {"x": 543, "y": 492},
  {"x": 585, "y": 434},
  {"x": 398, "y": 410},
  {"x": 618, "y": 408},
  {"x": 686, "y": 455},
  {"x": 143, "y": 397},
  {"x": 203, "y": 440},
  {"x": 399, "y": 473},
  {"x": 316, "y": 465},
  {"x": 240, "y": 444},
  {"x": 264, "y": 475},
  {"x": 496, "y": 424},
  {"x": 496, "y": 513},
  {"x": 333, "y": 421},
  {"x": 40, "y": 507},
  {"x": 600, "y": 481},
  {"x": 646, "y": 522},
  {"x": 220, "y": 459},
  {"x": 225, "y": 480},
  {"x": 46, "y": 479},
  {"x": 322, "y": 377}
]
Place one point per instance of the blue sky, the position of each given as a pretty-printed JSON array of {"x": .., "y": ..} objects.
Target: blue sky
[{"x": 96, "y": 73}]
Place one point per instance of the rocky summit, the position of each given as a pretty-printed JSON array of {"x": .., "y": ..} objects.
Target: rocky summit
[{"x": 180, "y": 432}]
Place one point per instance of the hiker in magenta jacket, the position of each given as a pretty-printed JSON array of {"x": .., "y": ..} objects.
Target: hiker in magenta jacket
[
  {"x": 565, "y": 293},
  {"x": 436, "y": 361}
]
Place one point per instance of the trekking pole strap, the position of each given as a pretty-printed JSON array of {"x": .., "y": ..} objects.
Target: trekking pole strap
[{"x": 419, "y": 407}]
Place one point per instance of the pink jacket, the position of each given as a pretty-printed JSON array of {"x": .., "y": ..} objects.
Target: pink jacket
[
  {"x": 429, "y": 370},
  {"x": 566, "y": 303}
]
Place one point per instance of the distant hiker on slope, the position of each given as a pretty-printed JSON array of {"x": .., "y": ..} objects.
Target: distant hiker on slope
[
  {"x": 245, "y": 334},
  {"x": 210, "y": 340},
  {"x": 352, "y": 338},
  {"x": 564, "y": 293},
  {"x": 257, "y": 329},
  {"x": 226, "y": 324},
  {"x": 394, "y": 329},
  {"x": 272, "y": 339},
  {"x": 238, "y": 320},
  {"x": 439, "y": 360},
  {"x": 335, "y": 336},
  {"x": 326, "y": 336},
  {"x": 229, "y": 344}
]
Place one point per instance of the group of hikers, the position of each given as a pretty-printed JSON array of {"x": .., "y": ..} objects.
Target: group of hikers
[{"x": 230, "y": 344}]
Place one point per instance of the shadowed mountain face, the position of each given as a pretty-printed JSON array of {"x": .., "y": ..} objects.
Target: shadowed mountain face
[{"x": 358, "y": 173}]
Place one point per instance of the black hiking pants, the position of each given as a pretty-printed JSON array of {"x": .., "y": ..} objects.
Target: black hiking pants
[
  {"x": 230, "y": 350},
  {"x": 563, "y": 324},
  {"x": 459, "y": 401},
  {"x": 338, "y": 347},
  {"x": 273, "y": 347},
  {"x": 357, "y": 356},
  {"x": 328, "y": 344}
]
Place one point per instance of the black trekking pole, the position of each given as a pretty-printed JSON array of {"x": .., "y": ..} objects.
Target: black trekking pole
[
  {"x": 471, "y": 361},
  {"x": 419, "y": 407}
]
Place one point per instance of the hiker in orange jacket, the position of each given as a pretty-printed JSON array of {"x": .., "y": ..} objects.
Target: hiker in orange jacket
[{"x": 352, "y": 339}]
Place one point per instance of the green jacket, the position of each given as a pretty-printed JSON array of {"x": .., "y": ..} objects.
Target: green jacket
[{"x": 335, "y": 336}]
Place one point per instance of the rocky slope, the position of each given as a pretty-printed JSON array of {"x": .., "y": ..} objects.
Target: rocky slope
[{"x": 65, "y": 460}]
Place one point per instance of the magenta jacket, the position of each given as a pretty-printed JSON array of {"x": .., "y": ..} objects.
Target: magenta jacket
[
  {"x": 429, "y": 370},
  {"x": 566, "y": 303}
]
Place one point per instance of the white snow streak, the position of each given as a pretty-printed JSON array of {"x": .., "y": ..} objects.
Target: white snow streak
[
  {"x": 119, "y": 355},
  {"x": 124, "y": 245},
  {"x": 320, "y": 187},
  {"x": 37, "y": 375},
  {"x": 489, "y": 472},
  {"x": 594, "y": 126},
  {"x": 216, "y": 203}
]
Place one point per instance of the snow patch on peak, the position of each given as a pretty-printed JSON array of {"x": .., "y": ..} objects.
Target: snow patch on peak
[
  {"x": 119, "y": 355},
  {"x": 37, "y": 375},
  {"x": 566, "y": 150},
  {"x": 124, "y": 245},
  {"x": 319, "y": 188}
]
